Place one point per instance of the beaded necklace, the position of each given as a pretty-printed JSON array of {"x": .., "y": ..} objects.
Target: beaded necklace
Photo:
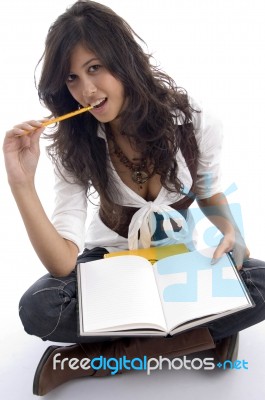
[{"x": 139, "y": 173}]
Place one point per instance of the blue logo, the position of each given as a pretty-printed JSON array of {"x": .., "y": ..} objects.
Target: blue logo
[{"x": 237, "y": 364}]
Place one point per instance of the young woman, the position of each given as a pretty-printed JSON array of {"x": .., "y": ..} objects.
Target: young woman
[{"x": 148, "y": 150}]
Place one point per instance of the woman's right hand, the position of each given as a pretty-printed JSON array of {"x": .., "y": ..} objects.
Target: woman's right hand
[{"x": 22, "y": 151}]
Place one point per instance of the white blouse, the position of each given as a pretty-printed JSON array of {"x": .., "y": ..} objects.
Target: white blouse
[{"x": 70, "y": 213}]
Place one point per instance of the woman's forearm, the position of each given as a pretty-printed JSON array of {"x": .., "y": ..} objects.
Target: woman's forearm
[
  {"x": 216, "y": 209},
  {"x": 57, "y": 254}
]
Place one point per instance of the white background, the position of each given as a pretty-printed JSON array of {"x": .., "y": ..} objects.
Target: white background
[{"x": 215, "y": 50}]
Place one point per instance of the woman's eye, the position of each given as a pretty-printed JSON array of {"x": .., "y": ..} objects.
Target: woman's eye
[
  {"x": 70, "y": 78},
  {"x": 94, "y": 68}
]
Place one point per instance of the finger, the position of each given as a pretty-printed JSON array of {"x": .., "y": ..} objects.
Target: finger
[
  {"x": 16, "y": 131},
  {"x": 44, "y": 120},
  {"x": 247, "y": 255},
  {"x": 28, "y": 127},
  {"x": 35, "y": 136},
  {"x": 239, "y": 256},
  {"x": 221, "y": 249}
]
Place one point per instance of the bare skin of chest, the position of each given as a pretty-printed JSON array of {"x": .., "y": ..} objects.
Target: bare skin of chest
[{"x": 148, "y": 190}]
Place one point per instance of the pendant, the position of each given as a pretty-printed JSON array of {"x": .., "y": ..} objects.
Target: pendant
[{"x": 139, "y": 177}]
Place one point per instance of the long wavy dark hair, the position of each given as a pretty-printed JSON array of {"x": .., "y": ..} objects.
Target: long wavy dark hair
[{"x": 153, "y": 100}]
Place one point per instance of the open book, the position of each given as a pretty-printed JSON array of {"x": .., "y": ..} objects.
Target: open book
[{"x": 127, "y": 295}]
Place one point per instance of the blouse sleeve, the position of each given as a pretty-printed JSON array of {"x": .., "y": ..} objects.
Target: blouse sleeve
[
  {"x": 70, "y": 211},
  {"x": 209, "y": 136}
]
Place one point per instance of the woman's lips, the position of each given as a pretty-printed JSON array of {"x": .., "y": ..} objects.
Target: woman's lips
[
  {"x": 98, "y": 107},
  {"x": 98, "y": 103}
]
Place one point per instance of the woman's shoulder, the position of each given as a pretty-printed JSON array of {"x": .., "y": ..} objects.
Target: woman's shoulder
[
  {"x": 65, "y": 178},
  {"x": 207, "y": 125}
]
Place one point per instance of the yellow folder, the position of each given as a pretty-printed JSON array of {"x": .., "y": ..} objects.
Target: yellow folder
[{"x": 152, "y": 254}]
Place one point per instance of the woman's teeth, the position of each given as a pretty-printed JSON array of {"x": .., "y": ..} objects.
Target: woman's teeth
[{"x": 98, "y": 103}]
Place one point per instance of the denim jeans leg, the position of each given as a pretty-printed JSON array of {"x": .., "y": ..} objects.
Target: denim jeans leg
[
  {"x": 253, "y": 274},
  {"x": 48, "y": 309}
]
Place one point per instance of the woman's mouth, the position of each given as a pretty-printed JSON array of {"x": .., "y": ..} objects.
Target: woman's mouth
[{"x": 99, "y": 103}]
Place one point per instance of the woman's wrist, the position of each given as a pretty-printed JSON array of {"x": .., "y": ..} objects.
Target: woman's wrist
[{"x": 21, "y": 188}]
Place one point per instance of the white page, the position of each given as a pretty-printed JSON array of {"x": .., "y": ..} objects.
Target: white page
[
  {"x": 119, "y": 291},
  {"x": 190, "y": 287}
]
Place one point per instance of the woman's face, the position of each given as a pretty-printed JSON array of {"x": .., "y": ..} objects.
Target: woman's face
[{"x": 90, "y": 83}]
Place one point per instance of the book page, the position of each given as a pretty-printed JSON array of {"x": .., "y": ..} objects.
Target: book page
[
  {"x": 119, "y": 292},
  {"x": 190, "y": 287}
]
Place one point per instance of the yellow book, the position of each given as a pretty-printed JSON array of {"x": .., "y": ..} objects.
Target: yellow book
[{"x": 152, "y": 254}]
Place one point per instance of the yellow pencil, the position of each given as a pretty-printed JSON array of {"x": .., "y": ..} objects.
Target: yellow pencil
[{"x": 61, "y": 118}]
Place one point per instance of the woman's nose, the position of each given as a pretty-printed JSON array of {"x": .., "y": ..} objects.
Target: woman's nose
[{"x": 89, "y": 90}]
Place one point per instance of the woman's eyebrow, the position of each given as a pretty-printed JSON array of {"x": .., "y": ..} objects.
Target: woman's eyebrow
[{"x": 89, "y": 61}]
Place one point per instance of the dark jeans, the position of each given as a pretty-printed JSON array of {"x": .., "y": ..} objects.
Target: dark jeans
[{"x": 48, "y": 309}]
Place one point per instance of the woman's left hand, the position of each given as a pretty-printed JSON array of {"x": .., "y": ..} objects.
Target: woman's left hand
[{"x": 234, "y": 243}]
